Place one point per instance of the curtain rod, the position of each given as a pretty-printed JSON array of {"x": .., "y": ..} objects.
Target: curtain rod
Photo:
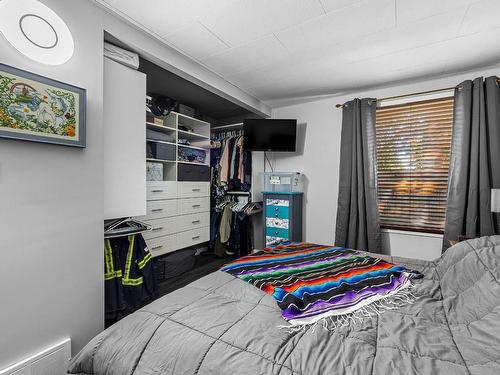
[
  {"x": 414, "y": 94},
  {"x": 407, "y": 95}
]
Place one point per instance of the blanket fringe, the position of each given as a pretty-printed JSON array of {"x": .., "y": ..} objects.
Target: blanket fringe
[{"x": 402, "y": 298}]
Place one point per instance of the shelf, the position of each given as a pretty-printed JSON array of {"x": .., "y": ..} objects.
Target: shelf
[
  {"x": 161, "y": 128},
  {"x": 194, "y": 147},
  {"x": 191, "y": 163},
  {"x": 188, "y": 120},
  {"x": 154, "y": 140},
  {"x": 199, "y": 132},
  {"x": 191, "y": 136},
  {"x": 160, "y": 160}
]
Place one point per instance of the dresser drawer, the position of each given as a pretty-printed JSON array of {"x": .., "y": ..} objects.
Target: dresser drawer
[
  {"x": 281, "y": 212},
  {"x": 277, "y": 232},
  {"x": 193, "y": 237},
  {"x": 193, "y": 205},
  {"x": 170, "y": 225},
  {"x": 194, "y": 189},
  {"x": 188, "y": 222},
  {"x": 156, "y": 190},
  {"x": 162, "y": 245},
  {"x": 162, "y": 227},
  {"x": 274, "y": 222},
  {"x": 161, "y": 209}
]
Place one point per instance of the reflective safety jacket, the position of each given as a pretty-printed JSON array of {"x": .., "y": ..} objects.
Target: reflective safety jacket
[{"x": 128, "y": 275}]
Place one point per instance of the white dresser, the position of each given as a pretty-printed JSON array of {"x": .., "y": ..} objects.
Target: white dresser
[{"x": 179, "y": 213}]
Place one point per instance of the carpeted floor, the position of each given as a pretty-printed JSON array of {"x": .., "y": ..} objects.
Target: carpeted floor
[{"x": 204, "y": 265}]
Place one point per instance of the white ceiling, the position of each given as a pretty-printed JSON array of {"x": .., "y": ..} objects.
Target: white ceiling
[{"x": 276, "y": 49}]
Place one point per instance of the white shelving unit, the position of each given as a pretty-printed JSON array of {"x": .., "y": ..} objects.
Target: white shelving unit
[
  {"x": 178, "y": 211},
  {"x": 199, "y": 130}
]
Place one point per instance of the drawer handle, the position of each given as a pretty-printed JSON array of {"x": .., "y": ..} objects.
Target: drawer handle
[
  {"x": 157, "y": 210},
  {"x": 157, "y": 191},
  {"x": 195, "y": 221},
  {"x": 196, "y": 189},
  {"x": 157, "y": 247},
  {"x": 195, "y": 237},
  {"x": 196, "y": 205},
  {"x": 276, "y": 209},
  {"x": 157, "y": 228},
  {"x": 276, "y": 232},
  {"x": 277, "y": 215}
]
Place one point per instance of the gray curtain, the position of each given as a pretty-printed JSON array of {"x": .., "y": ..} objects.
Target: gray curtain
[
  {"x": 475, "y": 160},
  {"x": 358, "y": 225}
]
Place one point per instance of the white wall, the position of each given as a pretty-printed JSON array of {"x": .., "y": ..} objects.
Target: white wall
[
  {"x": 51, "y": 211},
  {"x": 319, "y": 161}
]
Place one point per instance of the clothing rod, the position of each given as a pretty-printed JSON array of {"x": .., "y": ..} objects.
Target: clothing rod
[
  {"x": 228, "y": 126},
  {"x": 408, "y": 95},
  {"x": 238, "y": 192}
]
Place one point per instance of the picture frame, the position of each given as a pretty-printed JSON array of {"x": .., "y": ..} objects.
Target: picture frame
[{"x": 40, "y": 109}]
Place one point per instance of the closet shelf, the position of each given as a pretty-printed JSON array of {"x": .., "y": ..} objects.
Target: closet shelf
[
  {"x": 160, "y": 160},
  {"x": 194, "y": 147},
  {"x": 188, "y": 120},
  {"x": 191, "y": 135},
  {"x": 191, "y": 162},
  {"x": 168, "y": 143},
  {"x": 162, "y": 128}
]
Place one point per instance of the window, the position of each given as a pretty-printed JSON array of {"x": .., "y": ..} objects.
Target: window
[{"x": 413, "y": 152}]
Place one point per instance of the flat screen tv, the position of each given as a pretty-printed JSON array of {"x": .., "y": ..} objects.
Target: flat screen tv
[{"x": 270, "y": 135}]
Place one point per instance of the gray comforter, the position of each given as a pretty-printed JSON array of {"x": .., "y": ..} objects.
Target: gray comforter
[{"x": 222, "y": 325}]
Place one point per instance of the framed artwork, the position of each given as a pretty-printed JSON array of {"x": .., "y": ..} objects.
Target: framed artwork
[{"x": 36, "y": 108}]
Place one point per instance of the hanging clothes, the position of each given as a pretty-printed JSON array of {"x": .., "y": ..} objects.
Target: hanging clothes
[
  {"x": 231, "y": 166},
  {"x": 231, "y": 231},
  {"x": 128, "y": 276}
]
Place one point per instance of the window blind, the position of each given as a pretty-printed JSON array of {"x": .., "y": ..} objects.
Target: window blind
[{"x": 413, "y": 158}]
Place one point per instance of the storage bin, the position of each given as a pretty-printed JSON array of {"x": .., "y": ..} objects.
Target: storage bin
[
  {"x": 189, "y": 172},
  {"x": 160, "y": 136},
  {"x": 192, "y": 154},
  {"x": 154, "y": 171},
  {"x": 155, "y": 120},
  {"x": 186, "y": 110},
  {"x": 159, "y": 270},
  {"x": 283, "y": 182},
  {"x": 161, "y": 151}
]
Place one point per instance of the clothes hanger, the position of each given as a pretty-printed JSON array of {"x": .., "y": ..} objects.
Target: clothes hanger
[{"x": 125, "y": 227}]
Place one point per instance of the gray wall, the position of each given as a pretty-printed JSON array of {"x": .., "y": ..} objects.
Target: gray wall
[
  {"x": 51, "y": 211},
  {"x": 51, "y": 197}
]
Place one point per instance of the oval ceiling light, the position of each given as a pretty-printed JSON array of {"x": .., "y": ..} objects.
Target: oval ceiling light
[{"x": 36, "y": 31}]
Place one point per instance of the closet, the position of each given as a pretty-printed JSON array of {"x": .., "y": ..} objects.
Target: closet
[
  {"x": 232, "y": 208},
  {"x": 162, "y": 179}
]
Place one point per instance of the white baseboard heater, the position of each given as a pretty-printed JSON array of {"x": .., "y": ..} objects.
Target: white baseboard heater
[{"x": 53, "y": 360}]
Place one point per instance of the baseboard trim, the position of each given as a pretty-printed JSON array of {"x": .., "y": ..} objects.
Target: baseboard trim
[{"x": 51, "y": 360}]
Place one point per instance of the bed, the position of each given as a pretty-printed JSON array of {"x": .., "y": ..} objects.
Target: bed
[{"x": 221, "y": 325}]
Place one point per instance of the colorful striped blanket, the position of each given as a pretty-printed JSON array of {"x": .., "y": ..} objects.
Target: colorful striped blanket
[{"x": 311, "y": 282}]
